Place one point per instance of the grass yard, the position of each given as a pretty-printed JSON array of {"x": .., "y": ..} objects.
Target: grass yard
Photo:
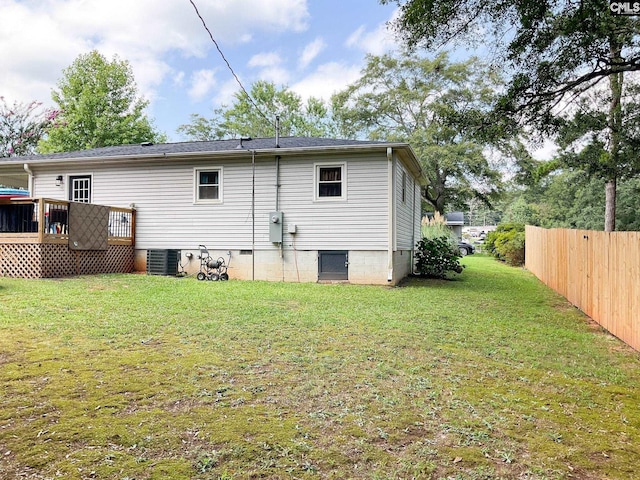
[{"x": 491, "y": 376}]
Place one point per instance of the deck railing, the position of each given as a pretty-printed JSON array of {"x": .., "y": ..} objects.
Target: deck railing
[{"x": 45, "y": 220}]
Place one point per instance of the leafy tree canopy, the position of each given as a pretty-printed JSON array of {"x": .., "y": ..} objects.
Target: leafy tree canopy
[
  {"x": 425, "y": 102},
  {"x": 100, "y": 106},
  {"x": 569, "y": 198},
  {"x": 22, "y": 126},
  {"x": 556, "y": 52},
  {"x": 584, "y": 138},
  {"x": 556, "y": 49},
  {"x": 255, "y": 116}
]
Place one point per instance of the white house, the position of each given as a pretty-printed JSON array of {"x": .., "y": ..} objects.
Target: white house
[{"x": 304, "y": 209}]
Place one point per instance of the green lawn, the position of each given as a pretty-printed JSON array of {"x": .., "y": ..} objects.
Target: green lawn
[{"x": 139, "y": 377}]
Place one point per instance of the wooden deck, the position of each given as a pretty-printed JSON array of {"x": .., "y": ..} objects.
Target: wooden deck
[{"x": 36, "y": 241}]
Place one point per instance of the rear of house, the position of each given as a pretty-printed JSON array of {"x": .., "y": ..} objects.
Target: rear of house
[{"x": 302, "y": 210}]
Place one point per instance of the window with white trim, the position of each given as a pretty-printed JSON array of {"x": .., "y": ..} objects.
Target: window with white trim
[
  {"x": 80, "y": 188},
  {"x": 208, "y": 185},
  {"x": 331, "y": 181}
]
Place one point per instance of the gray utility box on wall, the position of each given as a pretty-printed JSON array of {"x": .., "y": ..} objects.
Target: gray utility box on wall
[
  {"x": 275, "y": 227},
  {"x": 162, "y": 262}
]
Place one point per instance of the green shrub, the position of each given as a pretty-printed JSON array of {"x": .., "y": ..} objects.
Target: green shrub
[
  {"x": 507, "y": 243},
  {"x": 437, "y": 257}
]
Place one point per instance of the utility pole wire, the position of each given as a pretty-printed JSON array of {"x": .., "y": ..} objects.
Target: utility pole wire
[{"x": 204, "y": 24}]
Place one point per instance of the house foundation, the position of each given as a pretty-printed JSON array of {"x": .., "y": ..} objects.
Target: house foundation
[{"x": 301, "y": 266}]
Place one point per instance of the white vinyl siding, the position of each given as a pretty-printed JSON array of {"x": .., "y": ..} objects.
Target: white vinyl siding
[
  {"x": 407, "y": 212},
  {"x": 403, "y": 194},
  {"x": 358, "y": 223},
  {"x": 163, "y": 195}
]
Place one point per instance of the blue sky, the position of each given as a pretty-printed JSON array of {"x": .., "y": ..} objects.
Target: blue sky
[{"x": 315, "y": 47}]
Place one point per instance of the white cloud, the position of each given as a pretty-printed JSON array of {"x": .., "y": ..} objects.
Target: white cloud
[
  {"x": 265, "y": 60},
  {"x": 172, "y": 55},
  {"x": 178, "y": 79},
  {"x": 278, "y": 76},
  {"x": 311, "y": 51},
  {"x": 328, "y": 79},
  {"x": 238, "y": 18},
  {"x": 39, "y": 39},
  {"x": 270, "y": 68},
  {"x": 225, "y": 95},
  {"x": 377, "y": 42},
  {"x": 202, "y": 82}
]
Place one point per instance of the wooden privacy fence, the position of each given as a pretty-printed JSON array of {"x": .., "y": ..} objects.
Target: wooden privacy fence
[{"x": 598, "y": 272}]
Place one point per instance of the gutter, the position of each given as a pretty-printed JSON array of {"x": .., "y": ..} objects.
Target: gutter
[
  {"x": 293, "y": 151},
  {"x": 390, "y": 212}
]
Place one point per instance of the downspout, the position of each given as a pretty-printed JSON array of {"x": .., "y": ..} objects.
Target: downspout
[
  {"x": 413, "y": 227},
  {"x": 278, "y": 190},
  {"x": 391, "y": 225},
  {"x": 253, "y": 214},
  {"x": 30, "y": 184},
  {"x": 278, "y": 209},
  {"x": 277, "y": 182}
]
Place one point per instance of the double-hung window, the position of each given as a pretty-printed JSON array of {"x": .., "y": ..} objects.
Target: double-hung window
[
  {"x": 331, "y": 182},
  {"x": 208, "y": 185}
]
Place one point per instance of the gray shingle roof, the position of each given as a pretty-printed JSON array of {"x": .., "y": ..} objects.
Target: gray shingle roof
[{"x": 217, "y": 146}]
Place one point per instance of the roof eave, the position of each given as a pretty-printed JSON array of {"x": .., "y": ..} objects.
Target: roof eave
[{"x": 407, "y": 154}]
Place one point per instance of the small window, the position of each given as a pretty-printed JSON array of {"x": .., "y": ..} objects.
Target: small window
[
  {"x": 80, "y": 188},
  {"x": 208, "y": 185},
  {"x": 330, "y": 182}
]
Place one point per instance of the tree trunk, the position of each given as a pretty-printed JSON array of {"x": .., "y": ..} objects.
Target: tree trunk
[
  {"x": 610, "y": 206},
  {"x": 615, "y": 129},
  {"x": 435, "y": 196}
]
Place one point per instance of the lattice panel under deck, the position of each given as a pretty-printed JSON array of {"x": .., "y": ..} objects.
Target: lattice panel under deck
[
  {"x": 54, "y": 261},
  {"x": 117, "y": 259},
  {"x": 21, "y": 260}
]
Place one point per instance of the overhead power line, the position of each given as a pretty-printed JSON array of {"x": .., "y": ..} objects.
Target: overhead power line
[{"x": 204, "y": 24}]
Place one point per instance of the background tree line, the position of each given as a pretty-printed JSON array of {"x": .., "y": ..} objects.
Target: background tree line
[
  {"x": 571, "y": 76},
  {"x": 565, "y": 73},
  {"x": 97, "y": 105}
]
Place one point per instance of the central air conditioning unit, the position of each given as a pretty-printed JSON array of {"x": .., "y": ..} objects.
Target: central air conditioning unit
[{"x": 163, "y": 262}]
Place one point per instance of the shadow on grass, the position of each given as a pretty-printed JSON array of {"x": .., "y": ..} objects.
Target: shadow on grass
[{"x": 481, "y": 273}]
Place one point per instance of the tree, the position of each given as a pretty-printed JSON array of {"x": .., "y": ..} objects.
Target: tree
[
  {"x": 569, "y": 198},
  {"x": 202, "y": 129},
  {"x": 22, "y": 126},
  {"x": 586, "y": 139},
  {"x": 521, "y": 211},
  {"x": 255, "y": 116},
  {"x": 628, "y": 215},
  {"x": 423, "y": 102},
  {"x": 99, "y": 106},
  {"x": 557, "y": 51}
]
